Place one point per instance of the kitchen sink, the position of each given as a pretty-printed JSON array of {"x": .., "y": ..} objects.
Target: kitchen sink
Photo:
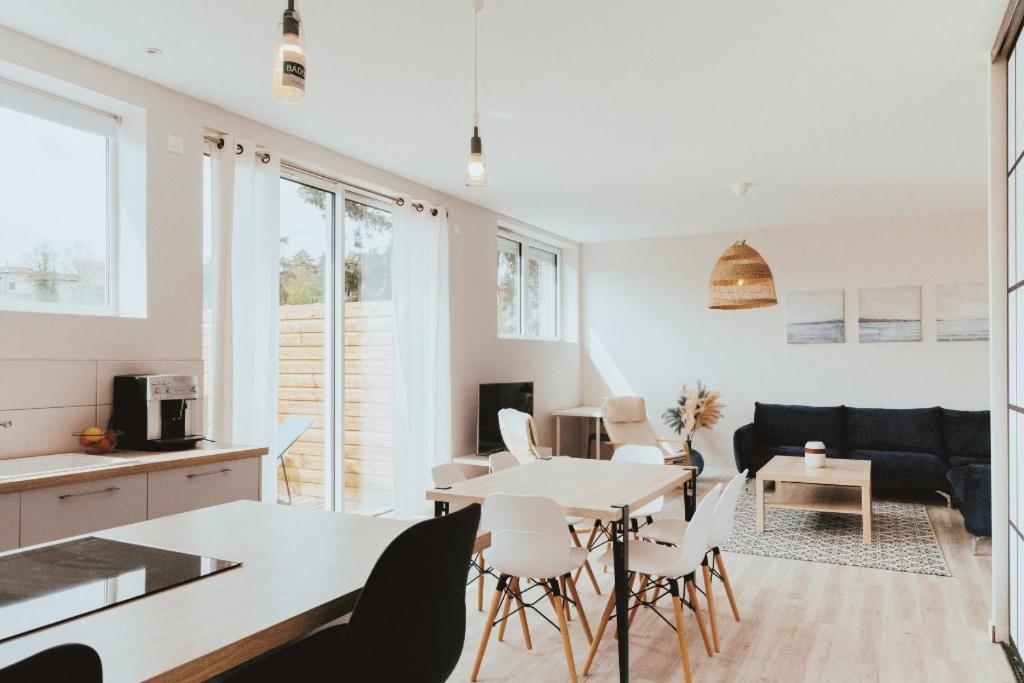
[{"x": 58, "y": 462}]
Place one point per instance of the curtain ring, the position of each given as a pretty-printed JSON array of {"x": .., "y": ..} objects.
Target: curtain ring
[
  {"x": 419, "y": 207},
  {"x": 400, "y": 201},
  {"x": 264, "y": 157},
  {"x": 433, "y": 212},
  {"x": 238, "y": 148}
]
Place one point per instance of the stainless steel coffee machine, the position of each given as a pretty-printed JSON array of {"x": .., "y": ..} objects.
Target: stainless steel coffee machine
[{"x": 157, "y": 412}]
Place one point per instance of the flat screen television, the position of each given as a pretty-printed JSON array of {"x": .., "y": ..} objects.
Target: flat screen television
[{"x": 495, "y": 397}]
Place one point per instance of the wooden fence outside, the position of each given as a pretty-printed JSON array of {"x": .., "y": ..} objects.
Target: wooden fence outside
[{"x": 368, "y": 396}]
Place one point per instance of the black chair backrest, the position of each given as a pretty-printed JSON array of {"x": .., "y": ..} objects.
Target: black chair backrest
[
  {"x": 61, "y": 664},
  {"x": 409, "y": 623}
]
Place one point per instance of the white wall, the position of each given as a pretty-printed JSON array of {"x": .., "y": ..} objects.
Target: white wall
[
  {"x": 172, "y": 329},
  {"x": 647, "y": 329}
]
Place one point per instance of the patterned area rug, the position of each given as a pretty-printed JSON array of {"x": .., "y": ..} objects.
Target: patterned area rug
[{"x": 902, "y": 537}]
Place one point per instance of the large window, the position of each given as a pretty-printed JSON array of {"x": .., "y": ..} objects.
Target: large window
[
  {"x": 528, "y": 288},
  {"x": 56, "y": 198}
]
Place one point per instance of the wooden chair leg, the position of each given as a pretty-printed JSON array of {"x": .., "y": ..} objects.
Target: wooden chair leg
[
  {"x": 565, "y": 603},
  {"x": 641, "y": 595},
  {"x": 586, "y": 564},
  {"x": 481, "y": 566},
  {"x": 601, "y": 626},
  {"x": 677, "y": 608},
  {"x": 492, "y": 613},
  {"x": 657, "y": 592},
  {"x": 711, "y": 605},
  {"x": 563, "y": 626},
  {"x": 580, "y": 612},
  {"x": 720, "y": 562},
  {"x": 522, "y": 614},
  {"x": 507, "y": 609},
  {"x": 691, "y": 589}
]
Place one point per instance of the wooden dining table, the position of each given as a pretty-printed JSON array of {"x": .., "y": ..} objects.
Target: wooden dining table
[
  {"x": 593, "y": 489},
  {"x": 300, "y": 569}
]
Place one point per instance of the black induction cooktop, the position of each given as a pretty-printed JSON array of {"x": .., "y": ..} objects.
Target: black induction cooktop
[{"x": 48, "y": 585}]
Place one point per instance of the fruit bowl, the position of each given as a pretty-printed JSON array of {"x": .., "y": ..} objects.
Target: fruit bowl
[{"x": 98, "y": 441}]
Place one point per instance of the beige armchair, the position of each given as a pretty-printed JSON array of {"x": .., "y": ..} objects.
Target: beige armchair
[
  {"x": 519, "y": 434},
  {"x": 625, "y": 420}
]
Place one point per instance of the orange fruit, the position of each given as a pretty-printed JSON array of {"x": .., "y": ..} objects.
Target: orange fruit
[{"x": 91, "y": 435}]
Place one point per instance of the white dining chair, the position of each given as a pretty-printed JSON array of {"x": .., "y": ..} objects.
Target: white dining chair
[
  {"x": 444, "y": 476},
  {"x": 660, "y": 569},
  {"x": 502, "y": 461},
  {"x": 531, "y": 550},
  {"x": 505, "y": 460},
  {"x": 672, "y": 532}
]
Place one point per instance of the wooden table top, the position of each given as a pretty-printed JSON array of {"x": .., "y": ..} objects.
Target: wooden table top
[
  {"x": 837, "y": 471},
  {"x": 587, "y": 488},
  {"x": 579, "y": 411},
  {"x": 301, "y": 568}
]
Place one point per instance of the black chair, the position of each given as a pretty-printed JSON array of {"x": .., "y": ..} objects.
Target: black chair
[
  {"x": 61, "y": 664},
  {"x": 409, "y": 623}
]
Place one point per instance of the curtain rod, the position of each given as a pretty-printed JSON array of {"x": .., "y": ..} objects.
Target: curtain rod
[{"x": 294, "y": 167}]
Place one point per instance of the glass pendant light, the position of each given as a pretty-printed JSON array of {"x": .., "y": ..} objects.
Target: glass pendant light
[
  {"x": 476, "y": 165},
  {"x": 290, "y": 59}
]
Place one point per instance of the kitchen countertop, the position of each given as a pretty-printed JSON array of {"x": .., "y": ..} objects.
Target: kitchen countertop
[{"x": 141, "y": 461}]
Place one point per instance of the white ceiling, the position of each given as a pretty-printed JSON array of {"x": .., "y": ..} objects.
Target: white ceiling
[{"x": 602, "y": 119}]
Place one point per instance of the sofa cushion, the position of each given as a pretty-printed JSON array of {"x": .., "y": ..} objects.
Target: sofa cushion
[
  {"x": 916, "y": 430},
  {"x": 967, "y": 433},
  {"x": 961, "y": 461},
  {"x": 887, "y": 464},
  {"x": 796, "y": 425},
  {"x": 771, "y": 451}
]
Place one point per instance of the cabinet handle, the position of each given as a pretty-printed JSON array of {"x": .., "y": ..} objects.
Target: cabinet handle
[
  {"x": 109, "y": 489},
  {"x": 207, "y": 474}
]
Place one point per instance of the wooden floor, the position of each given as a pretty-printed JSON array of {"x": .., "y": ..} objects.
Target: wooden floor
[{"x": 802, "y": 621}]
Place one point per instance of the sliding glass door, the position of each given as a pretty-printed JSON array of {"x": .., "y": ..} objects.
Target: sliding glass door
[
  {"x": 336, "y": 347},
  {"x": 368, "y": 358},
  {"x": 304, "y": 399}
]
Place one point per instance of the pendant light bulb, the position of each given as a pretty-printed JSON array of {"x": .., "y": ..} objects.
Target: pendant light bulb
[
  {"x": 290, "y": 59},
  {"x": 476, "y": 165}
]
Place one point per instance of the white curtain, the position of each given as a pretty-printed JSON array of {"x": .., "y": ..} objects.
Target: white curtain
[
  {"x": 246, "y": 234},
  {"x": 422, "y": 420}
]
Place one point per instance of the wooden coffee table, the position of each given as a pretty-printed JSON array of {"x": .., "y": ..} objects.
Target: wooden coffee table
[{"x": 842, "y": 486}]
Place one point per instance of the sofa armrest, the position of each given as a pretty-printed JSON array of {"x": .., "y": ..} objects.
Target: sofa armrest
[
  {"x": 744, "y": 446},
  {"x": 977, "y": 503}
]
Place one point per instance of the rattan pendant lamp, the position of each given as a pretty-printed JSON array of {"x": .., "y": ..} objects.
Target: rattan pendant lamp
[{"x": 741, "y": 279}]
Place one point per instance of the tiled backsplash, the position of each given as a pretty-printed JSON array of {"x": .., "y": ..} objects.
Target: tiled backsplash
[{"x": 47, "y": 401}]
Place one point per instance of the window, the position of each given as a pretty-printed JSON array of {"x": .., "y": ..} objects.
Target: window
[
  {"x": 57, "y": 221},
  {"x": 528, "y": 288}
]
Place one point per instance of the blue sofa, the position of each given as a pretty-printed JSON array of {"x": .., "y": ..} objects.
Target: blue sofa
[{"x": 911, "y": 450}]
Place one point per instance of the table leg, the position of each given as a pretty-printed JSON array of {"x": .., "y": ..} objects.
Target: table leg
[
  {"x": 597, "y": 439},
  {"x": 760, "y": 505},
  {"x": 620, "y": 551},
  {"x": 558, "y": 435},
  {"x": 690, "y": 495},
  {"x": 865, "y": 503}
]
